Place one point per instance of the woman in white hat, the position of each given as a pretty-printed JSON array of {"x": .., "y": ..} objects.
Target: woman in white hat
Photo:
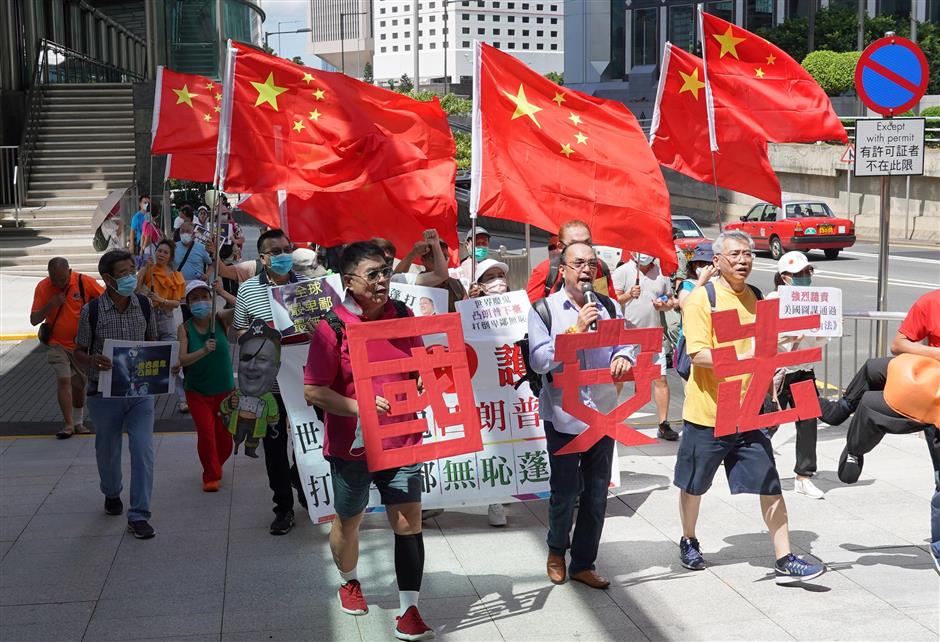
[
  {"x": 794, "y": 269},
  {"x": 490, "y": 278}
]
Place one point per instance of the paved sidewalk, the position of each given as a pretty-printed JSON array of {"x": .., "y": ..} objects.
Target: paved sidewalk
[{"x": 213, "y": 572}]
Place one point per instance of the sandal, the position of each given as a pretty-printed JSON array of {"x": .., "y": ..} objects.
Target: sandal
[
  {"x": 65, "y": 433},
  {"x": 81, "y": 429}
]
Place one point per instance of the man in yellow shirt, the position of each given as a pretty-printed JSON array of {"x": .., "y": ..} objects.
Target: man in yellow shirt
[{"x": 748, "y": 456}]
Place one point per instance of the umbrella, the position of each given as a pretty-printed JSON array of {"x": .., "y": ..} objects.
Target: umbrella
[{"x": 110, "y": 204}]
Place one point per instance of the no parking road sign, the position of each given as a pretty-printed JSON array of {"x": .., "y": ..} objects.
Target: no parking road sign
[{"x": 891, "y": 75}]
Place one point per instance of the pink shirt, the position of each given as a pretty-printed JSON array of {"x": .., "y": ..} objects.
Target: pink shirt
[{"x": 328, "y": 364}]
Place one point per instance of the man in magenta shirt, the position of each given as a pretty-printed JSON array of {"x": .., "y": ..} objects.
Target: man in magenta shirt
[{"x": 328, "y": 384}]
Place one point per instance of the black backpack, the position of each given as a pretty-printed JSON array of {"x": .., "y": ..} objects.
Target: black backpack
[
  {"x": 541, "y": 308},
  {"x": 553, "y": 283},
  {"x": 94, "y": 311}
]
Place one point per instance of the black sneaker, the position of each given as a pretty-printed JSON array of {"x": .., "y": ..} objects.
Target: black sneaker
[
  {"x": 140, "y": 529},
  {"x": 283, "y": 522},
  {"x": 850, "y": 466},
  {"x": 690, "y": 554},
  {"x": 666, "y": 432},
  {"x": 113, "y": 505}
]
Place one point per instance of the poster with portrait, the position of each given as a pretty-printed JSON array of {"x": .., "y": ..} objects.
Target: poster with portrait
[
  {"x": 138, "y": 368},
  {"x": 421, "y": 300},
  {"x": 297, "y": 307}
]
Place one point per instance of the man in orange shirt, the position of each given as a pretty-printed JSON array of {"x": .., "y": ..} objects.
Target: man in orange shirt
[{"x": 57, "y": 301}]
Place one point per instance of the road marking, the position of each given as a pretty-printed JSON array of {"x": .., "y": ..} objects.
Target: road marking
[
  {"x": 842, "y": 276},
  {"x": 909, "y": 259}
]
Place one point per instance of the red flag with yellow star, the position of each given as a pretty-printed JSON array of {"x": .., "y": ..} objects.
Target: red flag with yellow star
[
  {"x": 185, "y": 114},
  {"x": 679, "y": 133},
  {"x": 544, "y": 154},
  {"x": 749, "y": 75}
]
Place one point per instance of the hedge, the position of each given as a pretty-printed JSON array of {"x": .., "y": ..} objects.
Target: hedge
[{"x": 834, "y": 71}]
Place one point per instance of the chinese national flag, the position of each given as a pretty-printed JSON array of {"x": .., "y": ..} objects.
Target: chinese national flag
[
  {"x": 679, "y": 134},
  {"x": 303, "y": 130},
  {"x": 545, "y": 154},
  {"x": 185, "y": 114},
  {"x": 766, "y": 86},
  {"x": 191, "y": 167}
]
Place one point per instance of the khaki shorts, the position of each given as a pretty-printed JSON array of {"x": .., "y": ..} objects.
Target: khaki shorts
[{"x": 63, "y": 363}]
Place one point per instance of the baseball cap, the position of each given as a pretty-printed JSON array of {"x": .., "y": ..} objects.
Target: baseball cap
[
  {"x": 480, "y": 230},
  {"x": 196, "y": 284},
  {"x": 486, "y": 264},
  {"x": 792, "y": 262},
  {"x": 703, "y": 253}
]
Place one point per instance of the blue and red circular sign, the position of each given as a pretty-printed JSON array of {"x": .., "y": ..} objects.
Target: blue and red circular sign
[{"x": 891, "y": 75}]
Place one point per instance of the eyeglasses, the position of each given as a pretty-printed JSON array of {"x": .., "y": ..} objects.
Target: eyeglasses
[
  {"x": 279, "y": 250},
  {"x": 739, "y": 255},
  {"x": 375, "y": 276},
  {"x": 579, "y": 264},
  {"x": 553, "y": 246}
]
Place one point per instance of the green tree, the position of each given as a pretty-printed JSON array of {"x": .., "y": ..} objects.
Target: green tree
[
  {"x": 367, "y": 73},
  {"x": 297, "y": 60},
  {"x": 556, "y": 77},
  {"x": 834, "y": 71},
  {"x": 462, "y": 139},
  {"x": 404, "y": 84},
  {"x": 391, "y": 84}
]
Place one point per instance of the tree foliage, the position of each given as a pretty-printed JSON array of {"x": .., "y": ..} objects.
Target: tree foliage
[
  {"x": 404, "y": 84},
  {"x": 367, "y": 73},
  {"x": 556, "y": 77},
  {"x": 834, "y": 71},
  {"x": 462, "y": 139}
]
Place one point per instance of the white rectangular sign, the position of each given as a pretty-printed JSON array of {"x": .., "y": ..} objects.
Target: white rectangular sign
[
  {"x": 796, "y": 301},
  {"x": 889, "y": 147}
]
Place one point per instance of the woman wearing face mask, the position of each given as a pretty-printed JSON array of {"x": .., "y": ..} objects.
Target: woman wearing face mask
[
  {"x": 794, "y": 269},
  {"x": 490, "y": 278},
  {"x": 207, "y": 362}
]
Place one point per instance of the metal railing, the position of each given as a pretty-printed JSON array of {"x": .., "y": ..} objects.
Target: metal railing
[
  {"x": 842, "y": 357},
  {"x": 9, "y": 188},
  {"x": 59, "y": 64}
]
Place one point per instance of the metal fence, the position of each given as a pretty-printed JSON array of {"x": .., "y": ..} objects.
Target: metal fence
[
  {"x": 843, "y": 357},
  {"x": 9, "y": 177},
  {"x": 59, "y": 64}
]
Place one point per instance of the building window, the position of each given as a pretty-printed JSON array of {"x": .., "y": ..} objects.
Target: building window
[
  {"x": 496, "y": 5},
  {"x": 407, "y": 34},
  {"x": 525, "y": 45},
  {"x": 466, "y": 44},
  {"x": 420, "y": 46},
  {"x": 725, "y": 9},
  {"x": 420, "y": 33},
  {"x": 496, "y": 18},
  {"x": 407, "y": 21},
  {"x": 407, "y": 47},
  {"x": 758, "y": 13},
  {"x": 496, "y": 32},
  {"x": 554, "y": 47},
  {"x": 681, "y": 27},
  {"x": 481, "y": 31},
  {"x": 465, "y": 30},
  {"x": 381, "y": 23},
  {"x": 539, "y": 46},
  {"x": 433, "y": 45},
  {"x": 432, "y": 5},
  {"x": 394, "y": 23},
  {"x": 496, "y": 44},
  {"x": 511, "y": 32},
  {"x": 395, "y": 48},
  {"x": 431, "y": 18},
  {"x": 433, "y": 32},
  {"x": 540, "y": 20},
  {"x": 395, "y": 35},
  {"x": 513, "y": 18},
  {"x": 382, "y": 37},
  {"x": 480, "y": 17},
  {"x": 645, "y": 43},
  {"x": 510, "y": 5},
  {"x": 394, "y": 8},
  {"x": 383, "y": 49},
  {"x": 539, "y": 7},
  {"x": 525, "y": 6},
  {"x": 407, "y": 7},
  {"x": 539, "y": 33},
  {"x": 512, "y": 45},
  {"x": 525, "y": 33},
  {"x": 554, "y": 7},
  {"x": 382, "y": 10},
  {"x": 465, "y": 3},
  {"x": 465, "y": 16},
  {"x": 554, "y": 34},
  {"x": 525, "y": 19}
]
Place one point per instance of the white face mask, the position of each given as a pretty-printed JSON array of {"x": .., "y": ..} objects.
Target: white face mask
[
  {"x": 496, "y": 286},
  {"x": 644, "y": 259},
  {"x": 145, "y": 207},
  {"x": 186, "y": 238}
]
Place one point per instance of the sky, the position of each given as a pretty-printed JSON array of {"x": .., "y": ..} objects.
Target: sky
[{"x": 286, "y": 11}]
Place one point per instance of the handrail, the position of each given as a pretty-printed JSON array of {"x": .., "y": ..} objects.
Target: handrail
[
  {"x": 873, "y": 314},
  {"x": 64, "y": 63}
]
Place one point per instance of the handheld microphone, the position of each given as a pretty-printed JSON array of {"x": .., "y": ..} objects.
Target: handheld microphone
[{"x": 591, "y": 299}]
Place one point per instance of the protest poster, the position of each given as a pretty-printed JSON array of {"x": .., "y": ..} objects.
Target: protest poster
[
  {"x": 422, "y": 301},
  {"x": 202, "y": 235},
  {"x": 513, "y": 465},
  {"x": 297, "y": 307},
  {"x": 138, "y": 368},
  {"x": 798, "y": 301}
]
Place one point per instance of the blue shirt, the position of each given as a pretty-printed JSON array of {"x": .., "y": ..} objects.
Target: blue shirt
[
  {"x": 602, "y": 397},
  {"x": 137, "y": 224},
  {"x": 196, "y": 263}
]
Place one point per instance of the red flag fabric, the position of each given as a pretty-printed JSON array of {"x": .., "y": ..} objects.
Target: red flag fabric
[
  {"x": 679, "y": 133},
  {"x": 765, "y": 85},
  {"x": 305, "y": 130},
  {"x": 191, "y": 167},
  {"x": 545, "y": 154},
  {"x": 185, "y": 114}
]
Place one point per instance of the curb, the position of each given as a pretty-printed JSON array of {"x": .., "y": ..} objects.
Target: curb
[{"x": 17, "y": 337}]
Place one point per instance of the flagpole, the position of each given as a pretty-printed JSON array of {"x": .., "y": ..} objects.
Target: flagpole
[
  {"x": 710, "y": 111},
  {"x": 528, "y": 248},
  {"x": 476, "y": 154},
  {"x": 717, "y": 201}
]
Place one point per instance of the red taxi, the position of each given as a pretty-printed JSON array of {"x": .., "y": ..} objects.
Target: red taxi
[
  {"x": 799, "y": 225},
  {"x": 687, "y": 235}
]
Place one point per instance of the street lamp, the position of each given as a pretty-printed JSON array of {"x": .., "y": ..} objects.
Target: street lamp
[
  {"x": 342, "y": 36},
  {"x": 277, "y": 33}
]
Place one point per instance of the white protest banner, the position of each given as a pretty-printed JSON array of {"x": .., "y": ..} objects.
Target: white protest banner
[
  {"x": 796, "y": 301},
  {"x": 513, "y": 465},
  {"x": 138, "y": 368},
  {"x": 421, "y": 300}
]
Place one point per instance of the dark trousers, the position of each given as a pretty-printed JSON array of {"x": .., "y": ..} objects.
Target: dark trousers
[
  {"x": 578, "y": 479},
  {"x": 805, "y": 428},
  {"x": 282, "y": 476}
]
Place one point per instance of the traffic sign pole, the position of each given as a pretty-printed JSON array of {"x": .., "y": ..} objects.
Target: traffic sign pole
[{"x": 884, "y": 237}]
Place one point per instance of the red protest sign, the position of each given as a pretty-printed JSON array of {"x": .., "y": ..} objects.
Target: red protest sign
[
  {"x": 440, "y": 369},
  {"x": 735, "y": 414},
  {"x": 610, "y": 332}
]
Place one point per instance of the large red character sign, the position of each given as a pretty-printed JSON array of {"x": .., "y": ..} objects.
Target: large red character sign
[
  {"x": 735, "y": 415},
  {"x": 610, "y": 332},
  {"x": 440, "y": 369}
]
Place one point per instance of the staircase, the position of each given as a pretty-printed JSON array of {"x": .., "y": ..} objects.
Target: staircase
[{"x": 84, "y": 150}]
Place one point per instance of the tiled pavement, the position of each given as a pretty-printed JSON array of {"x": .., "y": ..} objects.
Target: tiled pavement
[{"x": 214, "y": 573}]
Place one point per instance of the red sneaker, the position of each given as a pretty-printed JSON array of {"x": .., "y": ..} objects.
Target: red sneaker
[
  {"x": 411, "y": 627},
  {"x": 351, "y": 600}
]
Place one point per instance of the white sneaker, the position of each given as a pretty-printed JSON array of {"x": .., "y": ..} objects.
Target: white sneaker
[
  {"x": 808, "y": 488},
  {"x": 497, "y": 515}
]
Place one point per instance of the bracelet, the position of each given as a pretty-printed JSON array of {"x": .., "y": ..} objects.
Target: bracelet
[{"x": 572, "y": 330}]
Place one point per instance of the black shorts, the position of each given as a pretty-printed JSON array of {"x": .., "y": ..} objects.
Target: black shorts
[{"x": 748, "y": 458}]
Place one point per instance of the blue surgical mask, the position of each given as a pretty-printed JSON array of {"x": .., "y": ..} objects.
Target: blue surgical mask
[
  {"x": 481, "y": 253},
  {"x": 282, "y": 263},
  {"x": 200, "y": 309},
  {"x": 802, "y": 281},
  {"x": 126, "y": 285}
]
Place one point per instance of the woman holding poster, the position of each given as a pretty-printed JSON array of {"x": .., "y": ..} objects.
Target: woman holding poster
[{"x": 206, "y": 359}]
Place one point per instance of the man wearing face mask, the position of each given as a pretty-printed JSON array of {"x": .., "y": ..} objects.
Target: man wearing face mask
[
  {"x": 121, "y": 314},
  {"x": 137, "y": 222},
  {"x": 252, "y": 302},
  {"x": 192, "y": 257},
  {"x": 644, "y": 292},
  {"x": 477, "y": 246}
]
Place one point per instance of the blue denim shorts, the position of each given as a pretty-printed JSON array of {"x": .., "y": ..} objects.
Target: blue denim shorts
[
  {"x": 748, "y": 458},
  {"x": 352, "y": 482}
]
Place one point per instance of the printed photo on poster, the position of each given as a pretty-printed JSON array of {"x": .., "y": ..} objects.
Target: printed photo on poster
[
  {"x": 139, "y": 368},
  {"x": 298, "y": 307},
  {"x": 422, "y": 301}
]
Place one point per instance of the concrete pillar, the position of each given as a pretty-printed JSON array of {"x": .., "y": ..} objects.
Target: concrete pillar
[
  {"x": 58, "y": 22},
  {"x": 91, "y": 33}
]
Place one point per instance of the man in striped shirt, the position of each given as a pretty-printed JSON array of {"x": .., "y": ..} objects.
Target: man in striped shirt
[{"x": 252, "y": 302}]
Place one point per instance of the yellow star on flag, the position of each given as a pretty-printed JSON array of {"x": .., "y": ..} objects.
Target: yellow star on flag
[
  {"x": 298, "y": 125},
  {"x": 582, "y": 139},
  {"x": 308, "y": 77},
  {"x": 218, "y": 98},
  {"x": 207, "y": 118},
  {"x": 217, "y": 109},
  {"x": 759, "y": 72},
  {"x": 771, "y": 59},
  {"x": 183, "y": 96},
  {"x": 566, "y": 150},
  {"x": 318, "y": 94},
  {"x": 523, "y": 106},
  {"x": 559, "y": 99},
  {"x": 573, "y": 117},
  {"x": 691, "y": 83},
  {"x": 268, "y": 91},
  {"x": 315, "y": 114},
  {"x": 210, "y": 85},
  {"x": 728, "y": 43}
]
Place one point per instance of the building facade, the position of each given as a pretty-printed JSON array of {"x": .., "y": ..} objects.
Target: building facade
[
  {"x": 341, "y": 33},
  {"x": 444, "y": 30}
]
